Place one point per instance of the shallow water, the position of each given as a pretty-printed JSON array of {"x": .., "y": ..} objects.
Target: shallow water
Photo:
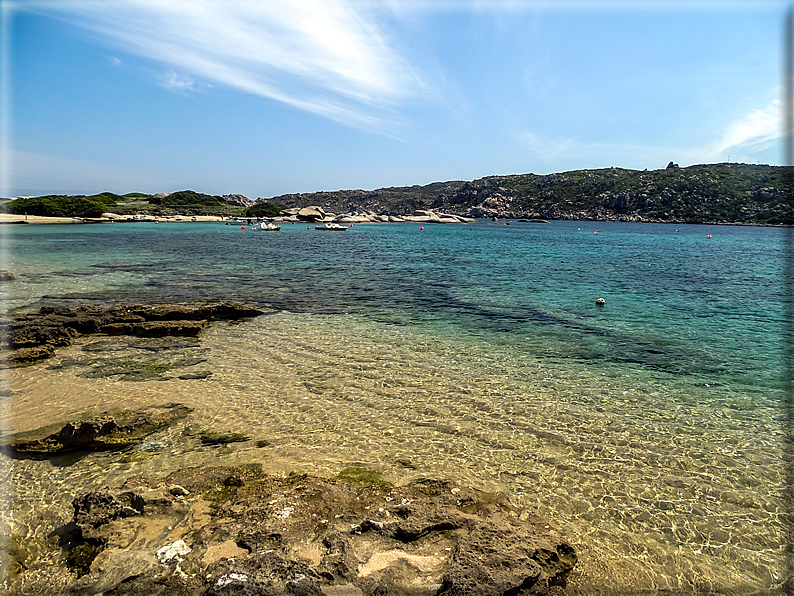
[{"x": 650, "y": 431}]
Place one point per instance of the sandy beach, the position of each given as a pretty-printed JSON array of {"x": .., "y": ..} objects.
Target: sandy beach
[{"x": 7, "y": 218}]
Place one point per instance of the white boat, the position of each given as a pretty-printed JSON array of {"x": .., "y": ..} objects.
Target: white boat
[
  {"x": 330, "y": 226},
  {"x": 267, "y": 226}
]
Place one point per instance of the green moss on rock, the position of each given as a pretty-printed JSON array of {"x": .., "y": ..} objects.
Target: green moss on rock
[{"x": 359, "y": 475}]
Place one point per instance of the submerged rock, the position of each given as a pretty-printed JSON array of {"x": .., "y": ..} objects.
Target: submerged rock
[
  {"x": 32, "y": 337},
  {"x": 107, "y": 431},
  {"x": 218, "y": 531}
]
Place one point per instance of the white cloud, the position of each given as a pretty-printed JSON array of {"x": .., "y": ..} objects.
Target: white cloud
[
  {"x": 565, "y": 153},
  {"x": 743, "y": 140},
  {"x": 177, "y": 82},
  {"x": 758, "y": 130},
  {"x": 582, "y": 6},
  {"x": 329, "y": 57}
]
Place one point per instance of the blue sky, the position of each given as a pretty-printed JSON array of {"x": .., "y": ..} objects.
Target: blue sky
[{"x": 265, "y": 97}]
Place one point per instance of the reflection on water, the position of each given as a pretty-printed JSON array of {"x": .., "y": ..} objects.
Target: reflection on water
[{"x": 660, "y": 481}]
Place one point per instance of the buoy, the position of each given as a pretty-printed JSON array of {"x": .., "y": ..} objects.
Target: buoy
[
  {"x": 308, "y": 227},
  {"x": 709, "y": 236},
  {"x": 676, "y": 230},
  {"x": 350, "y": 226},
  {"x": 596, "y": 233},
  {"x": 421, "y": 227},
  {"x": 242, "y": 227},
  {"x": 601, "y": 302}
]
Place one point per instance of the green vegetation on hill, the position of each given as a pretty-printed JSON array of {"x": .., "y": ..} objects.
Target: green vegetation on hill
[
  {"x": 189, "y": 202},
  {"x": 186, "y": 202},
  {"x": 57, "y": 206},
  {"x": 712, "y": 193},
  {"x": 264, "y": 209}
]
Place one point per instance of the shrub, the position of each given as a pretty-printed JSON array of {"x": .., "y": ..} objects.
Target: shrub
[
  {"x": 58, "y": 206},
  {"x": 264, "y": 210}
]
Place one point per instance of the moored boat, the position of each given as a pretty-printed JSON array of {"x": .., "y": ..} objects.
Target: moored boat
[
  {"x": 267, "y": 226},
  {"x": 330, "y": 226}
]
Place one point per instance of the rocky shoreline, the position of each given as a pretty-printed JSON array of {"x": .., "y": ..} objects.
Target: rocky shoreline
[
  {"x": 30, "y": 337},
  {"x": 239, "y": 530},
  {"x": 316, "y": 214}
]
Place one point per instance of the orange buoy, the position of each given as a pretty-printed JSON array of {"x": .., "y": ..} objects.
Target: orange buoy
[
  {"x": 421, "y": 227},
  {"x": 242, "y": 227},
  {"x": 709, "y": 236},
  {"x": 676, "y": 230},
  {"x": 595, "y": 233},
  {"x": 350, "y": 226}
]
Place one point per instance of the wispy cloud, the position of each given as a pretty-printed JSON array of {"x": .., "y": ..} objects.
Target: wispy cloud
[
  {"x": 743, "y": 139},
  {"x": 177, "y": 82},
  {"x": 329, "y": 57},
  {"x": 758, "y": 130},
  {"x": 580, "y": 6}
]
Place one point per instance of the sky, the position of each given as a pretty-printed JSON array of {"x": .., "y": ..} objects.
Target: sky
[{"x": 268, "y": 97}]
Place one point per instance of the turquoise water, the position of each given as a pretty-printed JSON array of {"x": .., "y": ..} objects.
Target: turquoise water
[
  {"x": 651, "y": 430},
  {"x": 708, "y": 310}
]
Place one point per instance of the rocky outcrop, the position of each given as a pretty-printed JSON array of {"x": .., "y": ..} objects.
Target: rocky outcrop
[
  {"x": 316, "y": 214},
  {"x": 6, "y": 275},
  {"x": 31, "y": 337},
  {"x": 222, "y": 531},
  {"x": 237, "y": 199},
  {"x": 311, "y": 213},
  {"x": 710, "y": 193},
  {"x": 107, "y": 431}
]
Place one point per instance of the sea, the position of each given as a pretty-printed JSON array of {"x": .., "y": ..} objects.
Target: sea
[{"x": 652, "y": 430}]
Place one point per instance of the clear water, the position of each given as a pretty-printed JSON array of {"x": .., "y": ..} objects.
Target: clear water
[{"x": 650, "y": 430}]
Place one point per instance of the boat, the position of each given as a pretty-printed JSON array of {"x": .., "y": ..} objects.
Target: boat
[
  {"x": 330, "y": 226},
  {"x": 267, "y": 226}
]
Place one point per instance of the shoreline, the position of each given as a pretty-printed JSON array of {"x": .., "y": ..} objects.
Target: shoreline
[
  {"x": 8, "y": 218},
  {"x": 281, "y": 434},
  {"x": 13, "y": 219}
]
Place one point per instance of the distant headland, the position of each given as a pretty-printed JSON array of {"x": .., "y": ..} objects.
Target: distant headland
[{"x": 723, "y": 193}]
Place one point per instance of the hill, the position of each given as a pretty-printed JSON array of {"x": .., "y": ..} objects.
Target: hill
[{"x": 713, "y": 193}]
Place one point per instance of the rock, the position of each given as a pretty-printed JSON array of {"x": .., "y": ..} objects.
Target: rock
[
  {"x": 52, "y": 334},
  {"x": 155, "y": 328},
  {"x": 218, "y": 438},
  {"x": 6, "y": 275},
  {"x": 311, "y": 213},
  {"x": 178, "y": 491},
  {"x": 109, "y": 431},
  {"x": 22, "y": 356},
  {"x": 127, "y": 566},
  {"x": 216, "y": 311},
  {"x": 173, "y": 552},
  {"x": 354, "y": 219},
  {"x": 265, "y": 573},
  {"x": 238, "y": 199},
  {"x": 34, "y": 336},
  {"x": 305, "y": 535}
]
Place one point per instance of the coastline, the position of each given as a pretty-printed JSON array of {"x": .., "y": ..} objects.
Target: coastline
[
  {"x": 8, "y": 218},
  {"x": 581, "y": 441}
]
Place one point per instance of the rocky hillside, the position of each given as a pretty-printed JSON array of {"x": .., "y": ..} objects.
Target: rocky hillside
[{"x": 713, "y": 193}]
